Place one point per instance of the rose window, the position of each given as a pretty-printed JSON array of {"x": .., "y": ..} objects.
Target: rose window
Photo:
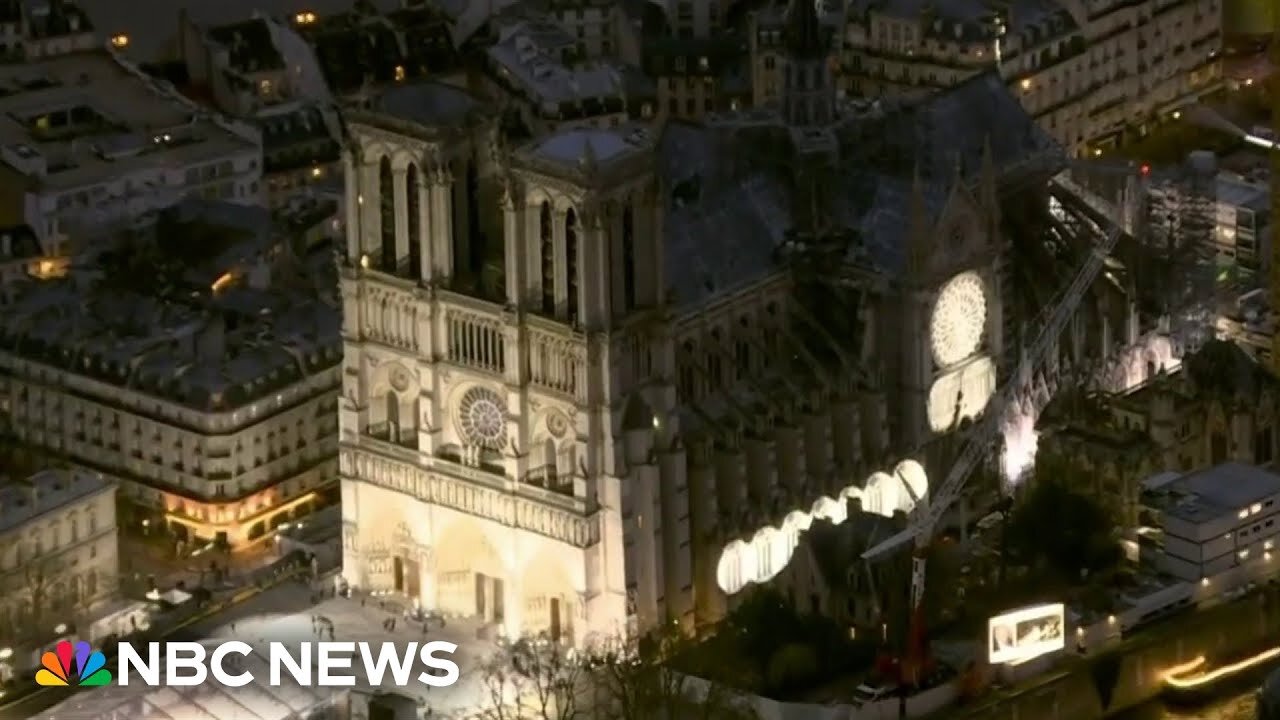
[{"x": 482, "y": 418}]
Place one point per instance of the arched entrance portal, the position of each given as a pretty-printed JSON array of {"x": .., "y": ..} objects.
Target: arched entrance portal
[
  {"x": 470, "y": 575},
  {"x": 550, "y": 603}
]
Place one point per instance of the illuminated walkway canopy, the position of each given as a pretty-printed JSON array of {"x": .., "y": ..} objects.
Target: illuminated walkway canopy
[{"x": 759, "y": 559}]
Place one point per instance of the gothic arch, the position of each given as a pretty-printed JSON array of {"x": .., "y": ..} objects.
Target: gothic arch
[
  {"x": 573, "y": 236},
  {"x": 386, "y": 216},
  {"x": 373, "y": 151},
  {"x": 560, "y": 200},
  {"x": 401, "y": 159},
  {"x": 535, "y": 196},
  {"x": 567, "y": 458},
  {"x": 542, "y": 452},
  {"x": 413, "y": 211}
]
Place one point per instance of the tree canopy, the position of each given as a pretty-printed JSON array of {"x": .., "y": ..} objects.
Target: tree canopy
[{"x": 1063, "y": 529}]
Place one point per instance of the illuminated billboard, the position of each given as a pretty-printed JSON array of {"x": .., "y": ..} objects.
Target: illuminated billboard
[{"x": 1023, "y": 634}]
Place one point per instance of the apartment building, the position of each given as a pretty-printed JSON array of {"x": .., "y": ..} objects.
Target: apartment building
[
  {"x": 1242, "y": 220},
  {"x": 34, "y": 30},
  {"x": 198, "y": 366},
  {"x": 694, "y": 77},
  {"x": 89, "y": 141},
  {"x": 1087, "y": 70},
  {"x": 536, "y": 71},
  {"x": 58, "y": 558},
  {"x": 363, "y": 48},
  {"x": 261, "y": 71}
]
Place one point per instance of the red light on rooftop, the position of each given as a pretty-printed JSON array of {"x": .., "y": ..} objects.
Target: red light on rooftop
[{"x": 1145, "y": 169}]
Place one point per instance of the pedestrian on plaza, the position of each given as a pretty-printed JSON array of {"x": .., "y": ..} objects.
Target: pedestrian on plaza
[{"x": 233, "y": 628}]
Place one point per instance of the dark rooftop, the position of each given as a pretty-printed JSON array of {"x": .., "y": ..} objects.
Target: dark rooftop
[
  {"x": 148, "y": 316},
  {"x": 249, "y": 46},
  {"x": 729, "y": 177},
  {"x": 429, "y": 104},
  {"x": 363, "y": 46}
]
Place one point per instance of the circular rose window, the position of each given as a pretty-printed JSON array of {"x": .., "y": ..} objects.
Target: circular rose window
[{"x": 483, "y": 418}]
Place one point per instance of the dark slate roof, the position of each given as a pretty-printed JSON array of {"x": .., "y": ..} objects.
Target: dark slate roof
[
  {"x": 296, "y": 140},
  {"x": 1223, "y": 368},
  {"x": 729, "y": 204},
  {"x": 721, "y": 230},
  {"x": 877, "y": 204},
  {"x": 951, "y": 129},
  {"x": 837, "y": 549},
  {"x": 362, "y": 45},
  {"x": 249, "y": 45},
  {"x": 942, "y": 139},
  {"x": 430, "y": 104}
]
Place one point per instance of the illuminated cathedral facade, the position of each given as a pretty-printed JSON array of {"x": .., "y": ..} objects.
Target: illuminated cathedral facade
[{"x": 603, "y": 379}]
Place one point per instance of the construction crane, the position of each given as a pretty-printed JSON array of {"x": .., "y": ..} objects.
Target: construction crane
[{"x": 929, "y": 511}]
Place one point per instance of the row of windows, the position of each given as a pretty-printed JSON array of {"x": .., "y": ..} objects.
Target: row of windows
[
  {"x": 546, "y": 234},
  {"x": 55, "y": 535}
]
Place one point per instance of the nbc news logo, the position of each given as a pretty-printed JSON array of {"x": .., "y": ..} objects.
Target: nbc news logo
[{"x": 73, "y": 666}]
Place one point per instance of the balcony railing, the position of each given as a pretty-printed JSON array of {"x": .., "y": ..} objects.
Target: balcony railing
[
  {"x": 406, "y": 437},
  {"x": 548, "y": 478},
  {"x": 434, "y": 480}
]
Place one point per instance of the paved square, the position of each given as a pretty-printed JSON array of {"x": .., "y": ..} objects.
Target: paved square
[{"x": 284, "y": 614}]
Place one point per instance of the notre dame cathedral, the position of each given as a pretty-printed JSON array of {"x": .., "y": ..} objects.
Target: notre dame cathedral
[{"x": 603, "y": 378}]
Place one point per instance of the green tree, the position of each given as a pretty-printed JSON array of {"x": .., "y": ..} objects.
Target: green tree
[{"x": 1062, "y": 529}]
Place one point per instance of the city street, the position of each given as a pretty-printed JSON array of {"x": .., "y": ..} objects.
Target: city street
[{"x": 154, "y": 557}]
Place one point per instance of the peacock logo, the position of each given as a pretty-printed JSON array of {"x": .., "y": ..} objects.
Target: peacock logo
[{"x": 89, "y": 667}]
